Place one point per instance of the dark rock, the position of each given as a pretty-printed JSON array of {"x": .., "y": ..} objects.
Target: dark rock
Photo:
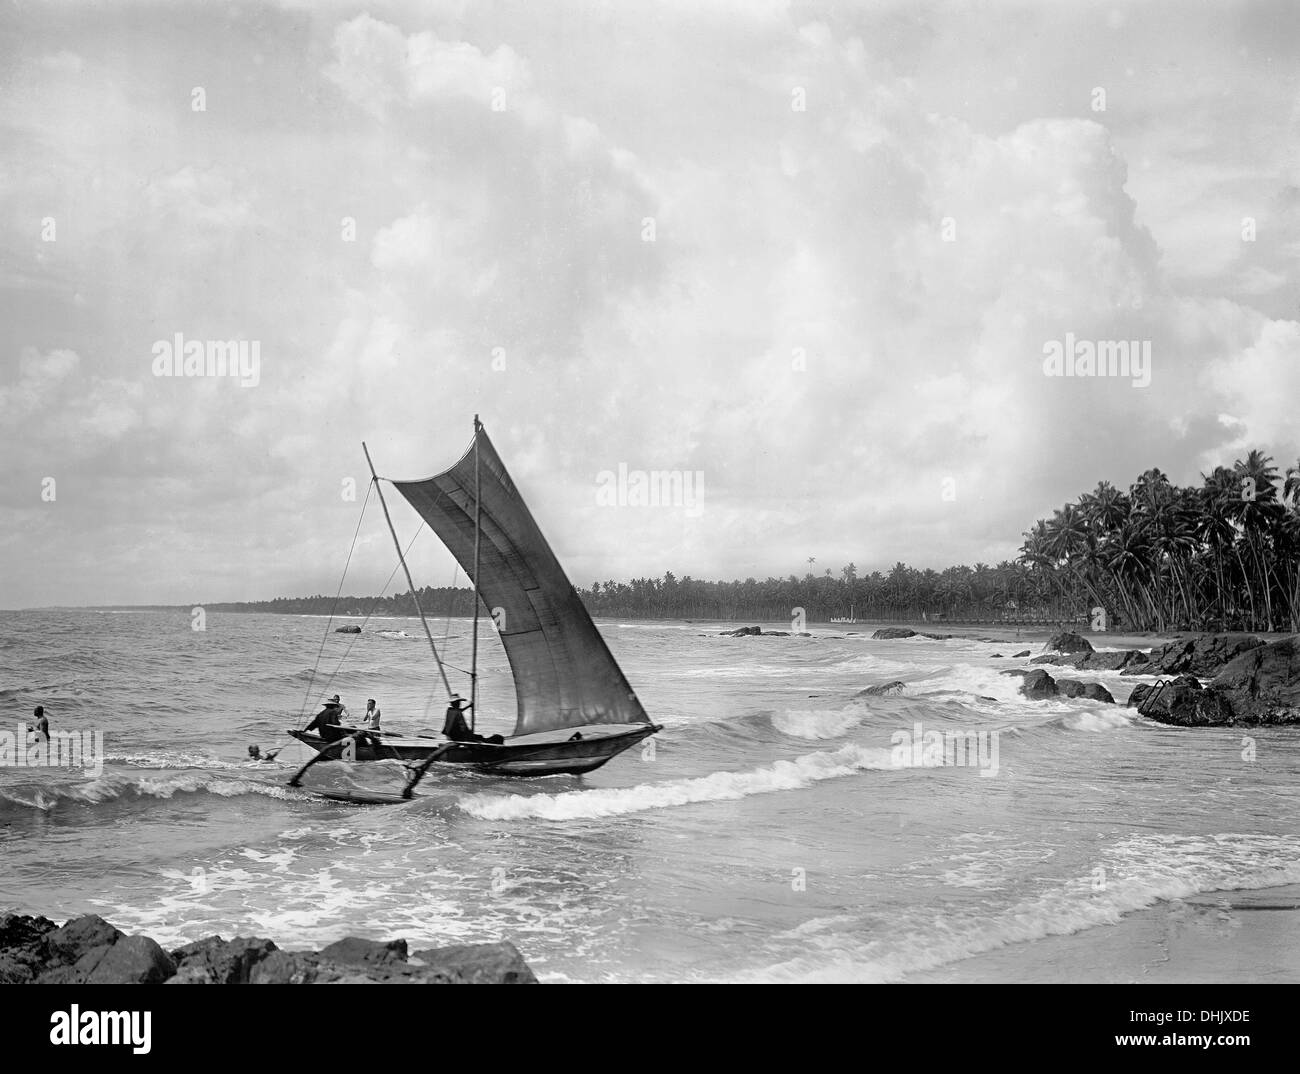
[
  {"x": 17, "y": 970},
  {"x": 1262, "y": 684},
  {"x": 1038, "y": 685},
  {"x": 881, "y": 689},
  {"x": 214, "y": 961},
  {"x": 1070, "y": 661},
  {"x": 128, "y": 960},
  {"x": 889, "y": 633},
  {"x": 1201, "y": 654},
  {"x": 1017, "y": 656},
  {"x": 1116, "y": 661},
  {"x": 88, "y": 950},
  {"x": 17, "y": 930},
  {"x": 1091, "y": 691},
  {"x": 77, "y": 937},
  {"x": 132, "y": 960},
  {"x": 347, "y": 630},
  {"x": 996, "y": 656},
  {"x": 1095, "y": 661},
  {"x": 22, "y": 947},
  {"x": 1182, "y": 702},
  {"x": 776, "y": 634},
  {"x": 352, "y": 950},
  {"x": 741, "y": 632},
  {"x": 1067, "y": 642},
  {"x": 285, "y": 967},
  {"x": 483, "y": 963}
]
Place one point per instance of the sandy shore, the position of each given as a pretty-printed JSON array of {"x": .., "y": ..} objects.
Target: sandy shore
[{"x": 1219, "y": 937}]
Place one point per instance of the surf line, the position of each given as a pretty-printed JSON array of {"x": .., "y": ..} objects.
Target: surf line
[{"x": 919, "y": 748}]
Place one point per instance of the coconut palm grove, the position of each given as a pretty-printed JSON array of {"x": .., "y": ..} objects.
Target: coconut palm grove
[{"x": 1221, "y": 555}]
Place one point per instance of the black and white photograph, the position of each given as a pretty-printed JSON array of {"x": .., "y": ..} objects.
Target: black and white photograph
[{"x": 656, "y": 492}]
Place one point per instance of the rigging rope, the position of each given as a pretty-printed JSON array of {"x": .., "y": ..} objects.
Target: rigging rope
[
  {"x": 373, "y": 605},
  {"x": 334, "y": 607}
]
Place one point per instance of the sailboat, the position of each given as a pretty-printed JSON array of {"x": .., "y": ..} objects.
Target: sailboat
[{"x": 575, "y": 708}]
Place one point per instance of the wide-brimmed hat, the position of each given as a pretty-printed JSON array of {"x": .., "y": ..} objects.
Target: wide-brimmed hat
[{"x": 335, "y": 700}]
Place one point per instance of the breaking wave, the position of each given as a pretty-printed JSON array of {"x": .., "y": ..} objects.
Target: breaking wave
[
  {"x": 720, "y": 786},
  {"x": 816, "y": 724}
]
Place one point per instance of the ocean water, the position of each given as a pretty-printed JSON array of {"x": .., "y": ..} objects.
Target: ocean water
[{"x": 778, "y": 831}]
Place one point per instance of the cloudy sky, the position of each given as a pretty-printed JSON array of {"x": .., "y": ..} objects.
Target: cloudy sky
[{"x": 867, "y": 220}]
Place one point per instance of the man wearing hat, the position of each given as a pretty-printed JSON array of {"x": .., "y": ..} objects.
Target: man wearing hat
[
  {"x": 328, "y": 719},
  {"x": 455, "y": 727}
]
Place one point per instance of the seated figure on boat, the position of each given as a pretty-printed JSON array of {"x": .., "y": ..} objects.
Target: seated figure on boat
[
  {"x": 328, "y": 719},
  {"x": 455, "y": 727}
]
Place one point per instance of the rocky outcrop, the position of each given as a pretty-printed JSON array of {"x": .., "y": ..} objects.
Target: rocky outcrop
[
  {"x": 1039, "y": 686},
  {"x": 217, "y": 961},
  {"x": 1067, "y": 642},
  {"x": 88, "y": 950},
  {"x": 1202, "y": 655},
  {"x": 1017, "y": 656},
  {"x": 347, "y": 630},
  {"x": 1262, "y": 684},
  {"x": 1259, "y": 687},
  {"x": 754, "y": 632},
  {"x": 1182, "y": 702},
  {"x": 1089, "y": 691},
  {"x": 1123, "y": 659},
  {"x": 882, "y": 689},
  {"x": 893, "y": 633}
]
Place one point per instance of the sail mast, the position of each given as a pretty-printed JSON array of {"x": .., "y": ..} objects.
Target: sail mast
[
  {"x": 473, "y": 673},
  {"x": 402, "y": 559}
]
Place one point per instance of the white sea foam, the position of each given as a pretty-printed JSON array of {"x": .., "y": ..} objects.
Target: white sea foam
[
  {"x": 1138, "y": 873},
  {"x": 816, "y": 723},
  {"x": 720, "y": 786},
  {"x": 109, "y": 788},
  {"x": 1100, "y": 720}
]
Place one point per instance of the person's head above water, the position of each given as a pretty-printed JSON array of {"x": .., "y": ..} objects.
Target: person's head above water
[{"x": 254, "y": 752}]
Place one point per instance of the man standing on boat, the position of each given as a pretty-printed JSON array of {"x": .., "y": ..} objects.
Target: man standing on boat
[
  {"x": 328, "y": 719},
  {"x": 371, "y": 718}
]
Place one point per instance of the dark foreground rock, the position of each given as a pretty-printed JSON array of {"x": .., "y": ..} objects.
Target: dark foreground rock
[
  {"x": 1039, "y": 686},
  {"x": 88, "y": 950},
  {"x": 347, "y": 630}
]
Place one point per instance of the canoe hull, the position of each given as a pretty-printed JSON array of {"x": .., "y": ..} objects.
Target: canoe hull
[{"x": 532, "y": 755}]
